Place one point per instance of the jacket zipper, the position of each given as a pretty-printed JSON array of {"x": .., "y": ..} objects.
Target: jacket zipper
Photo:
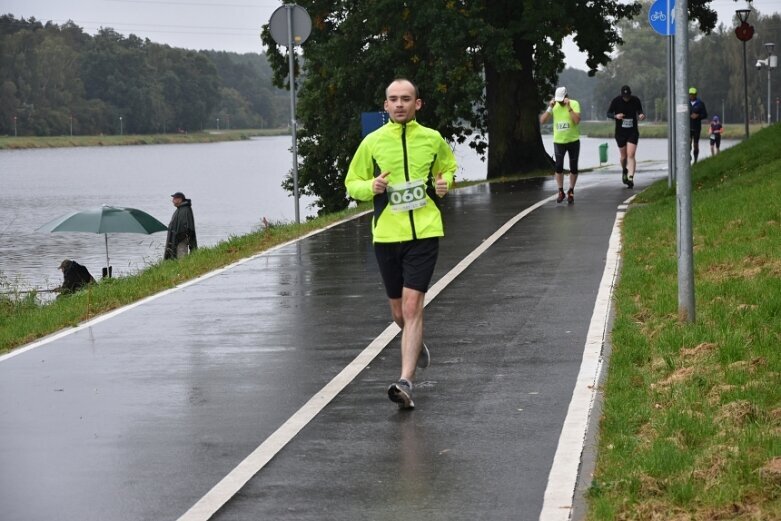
[{"x": 406, "y": 175}]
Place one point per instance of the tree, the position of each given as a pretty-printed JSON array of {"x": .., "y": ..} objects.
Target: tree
[
  {"x": 53, "y": 76},
  {"x": 483, "y": 69}
]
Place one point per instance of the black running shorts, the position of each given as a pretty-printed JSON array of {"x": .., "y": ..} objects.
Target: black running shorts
[
  {"x": 408, "y": 264},
  {"x": 622, "y": 138},
  {"x": 560, "y": 149}
]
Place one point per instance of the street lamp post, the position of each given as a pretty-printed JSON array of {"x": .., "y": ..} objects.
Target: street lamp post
[
  {"x": 71, "y": 118},
  {"x": 121, "y": 130},
  {"x": 744, "y": 32},
  {"x": 15, "y": 126},
  {"x": 771, "y": 62},
  {"x": 218, "y": 123}
]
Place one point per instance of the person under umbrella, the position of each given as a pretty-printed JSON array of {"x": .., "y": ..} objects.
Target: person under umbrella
[
  {"x": 105, "y": 219},
  {"x": 181, "y": 238}
]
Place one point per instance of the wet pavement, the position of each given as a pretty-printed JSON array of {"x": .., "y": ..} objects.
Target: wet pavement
[{"x": 138, "y": 416}]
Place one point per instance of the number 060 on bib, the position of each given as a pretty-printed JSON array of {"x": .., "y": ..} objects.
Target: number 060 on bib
[{"x": 407, "y": 196}]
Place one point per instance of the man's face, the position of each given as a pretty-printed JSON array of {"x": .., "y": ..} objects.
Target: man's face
[
  {"x": 401, "y": 102},
  {"x": 177, "y": 201},
  {"x": 692, "y": 97}
]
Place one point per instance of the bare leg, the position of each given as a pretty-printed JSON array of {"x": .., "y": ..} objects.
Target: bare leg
[
  {"x": 412, "y": 333},
  {"x": 631, "y": 163},
  {"x": 560, "y": 180},
  {"x": 572, "y": 180},
  {"x": 622, "y": 153}
]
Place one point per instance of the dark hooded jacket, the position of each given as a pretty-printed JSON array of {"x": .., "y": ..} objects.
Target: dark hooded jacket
[
  {"x": 75, "y": 276},
  {"x": 181, "y": 229}
]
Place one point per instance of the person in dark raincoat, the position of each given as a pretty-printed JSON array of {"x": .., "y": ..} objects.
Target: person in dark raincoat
[
  {"x": 75, "y": 276},
  {"x": 181, "y": 238}
]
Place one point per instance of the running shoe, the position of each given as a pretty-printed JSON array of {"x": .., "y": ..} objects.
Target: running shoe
[
  {"x": 561, "y": 196},
  {"x": 571, "y": 196},
  {"x": 401, "y": 393},
  {"x": 630, "y": 183},
  {"x": 424, "y": 359}
]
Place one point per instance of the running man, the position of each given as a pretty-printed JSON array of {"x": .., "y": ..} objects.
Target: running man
[
  {"x": 697, "y": 113},
  {"x": 627, "y": 111},
  {"x": 405, "y": 168},
  {"x": 716, "y": 129},
  {"x": 566, "y": 139}
]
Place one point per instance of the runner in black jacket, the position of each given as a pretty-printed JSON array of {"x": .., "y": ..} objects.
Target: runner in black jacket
[{"x": 627, "y": 111}]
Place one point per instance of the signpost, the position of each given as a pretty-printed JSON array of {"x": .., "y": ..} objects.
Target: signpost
[
  {"x": 290, "y": 25},
  {"x": 662, "y": 16}
]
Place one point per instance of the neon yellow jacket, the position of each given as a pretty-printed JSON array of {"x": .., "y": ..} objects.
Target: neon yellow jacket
[{"x": 409, "y": 152}]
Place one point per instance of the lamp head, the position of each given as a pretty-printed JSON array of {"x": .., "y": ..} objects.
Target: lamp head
[
  {"x": 770, "y": 47},
  {"x": 743, "y": 14}
]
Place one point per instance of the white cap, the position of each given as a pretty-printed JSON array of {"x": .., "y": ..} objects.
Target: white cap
[{"x": 561, "y": 92}]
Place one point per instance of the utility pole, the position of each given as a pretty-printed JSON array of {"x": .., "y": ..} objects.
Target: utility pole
[{"x": 686, "y": 311}]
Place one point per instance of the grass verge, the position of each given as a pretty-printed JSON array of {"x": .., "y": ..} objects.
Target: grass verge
[
  {"x": 691, "y": 425},
  {"x": 13, "y": 143}
]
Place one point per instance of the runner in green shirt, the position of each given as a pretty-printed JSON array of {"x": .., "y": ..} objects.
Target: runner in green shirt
[{"x": 566, "y": 139}]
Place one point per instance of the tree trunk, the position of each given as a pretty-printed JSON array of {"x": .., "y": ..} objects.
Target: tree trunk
[{"x": 513, "y": 109}]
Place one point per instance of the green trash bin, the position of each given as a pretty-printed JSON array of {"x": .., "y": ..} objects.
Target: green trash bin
[{"x": 603, "y": 153}]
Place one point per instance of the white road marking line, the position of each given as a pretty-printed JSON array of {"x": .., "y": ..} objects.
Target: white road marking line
[
  {"x": 84, "y": 325},
  {"x": 223, "y": 491},
  {"x": 560, "y": 491}
]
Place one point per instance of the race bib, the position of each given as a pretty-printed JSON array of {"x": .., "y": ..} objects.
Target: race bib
[
  {"x": 407, "y": 196},
  {"x": 562, "y": 125},
  {"x": 713, "y": 137},
  {"x": 627, "y": 123}
]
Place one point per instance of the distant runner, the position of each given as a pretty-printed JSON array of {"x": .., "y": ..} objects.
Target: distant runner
[
  {"x": 566, "y": 139},
  {"x": 627, "y": 111},
  {"x": 716, "y": 129},
  {"x": 405, "y": 168},
  {"x": 697, "y": 113}
]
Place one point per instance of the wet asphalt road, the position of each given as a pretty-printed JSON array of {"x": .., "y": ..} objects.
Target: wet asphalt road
[{"x": 138, "y": 416}]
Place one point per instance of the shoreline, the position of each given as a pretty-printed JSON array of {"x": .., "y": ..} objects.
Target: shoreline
[{"x": 214, "y": 136}]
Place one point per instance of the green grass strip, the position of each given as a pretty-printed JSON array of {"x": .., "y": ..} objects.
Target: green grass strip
[{"x": 691, "y": 425}]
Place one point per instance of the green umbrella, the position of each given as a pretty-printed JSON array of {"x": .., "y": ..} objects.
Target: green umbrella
[{"x": 105, "y": 219}]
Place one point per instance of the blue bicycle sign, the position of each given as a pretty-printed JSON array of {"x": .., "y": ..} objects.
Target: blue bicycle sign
[
  {"x": 661, "y": 16},
  {"x": 657, "y": 16}
]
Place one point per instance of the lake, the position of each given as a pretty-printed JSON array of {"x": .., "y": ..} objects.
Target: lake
[{"x": 233, "y": 186}]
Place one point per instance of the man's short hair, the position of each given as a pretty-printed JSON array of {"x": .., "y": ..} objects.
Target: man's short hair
[{"x": 417, "y": 92}]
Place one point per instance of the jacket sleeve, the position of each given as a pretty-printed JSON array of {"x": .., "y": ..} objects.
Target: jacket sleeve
[
  {"x": 446, "y": 162},
  {"x": 611, "y": 111},
  {"x": 360, "y": 174}
]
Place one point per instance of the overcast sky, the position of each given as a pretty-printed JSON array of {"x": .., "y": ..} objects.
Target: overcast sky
[{"x": 226, "y": 25}]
